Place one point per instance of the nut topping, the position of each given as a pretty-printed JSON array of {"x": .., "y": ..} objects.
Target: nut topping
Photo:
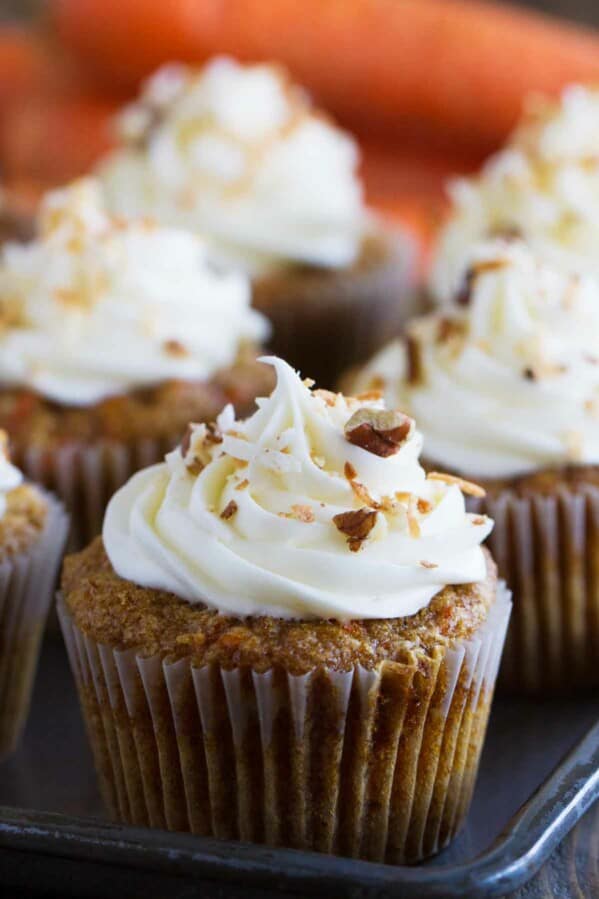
[
  {"x": 229, "y": 510},
  {"x": 466, "y": 487},
  {"x": 378, "y": 431},
  {"x": 356, "y": 526},
  {"x": 414, "y": 372},
  {"x": 175, "y": 348}
]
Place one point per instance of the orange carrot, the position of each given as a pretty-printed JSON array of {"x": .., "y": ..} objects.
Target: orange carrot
[
  {"x": 406, "y": 66},
  {"x": 21, "y": 62},
  {"x": 53, "y": 139}
]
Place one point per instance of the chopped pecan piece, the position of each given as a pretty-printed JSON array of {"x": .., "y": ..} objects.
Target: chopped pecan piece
[
  {"x": 465, "y": 290},
  {"x": 175, "y": 348},
  {"x": 356, "y": 526},
  {"x": 378, "y": 431},
  {"x": 414, "y": 372},
  {"x": 229, "y": 510}
]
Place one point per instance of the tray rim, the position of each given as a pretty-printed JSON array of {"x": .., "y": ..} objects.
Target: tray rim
[{"x": 511, "y": 860}]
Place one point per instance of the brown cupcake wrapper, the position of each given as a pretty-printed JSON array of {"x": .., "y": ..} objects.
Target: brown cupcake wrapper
[
  {"x": 26, "y": 589},
  {"x": 325, "y": 324},
  {"x": 85, "y": 477},
  {"x": 547, "y": 549},
  {"x": 373, "y": 764}
]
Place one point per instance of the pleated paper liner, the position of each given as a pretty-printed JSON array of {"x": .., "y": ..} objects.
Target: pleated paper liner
[
  {"x": 27, "y": 585},
  {"x": 372, "y": 764},
  {"x": 547, "y": 549},
  {"x": 326, "y": 320},
  {"x": 85, "y": 477}
]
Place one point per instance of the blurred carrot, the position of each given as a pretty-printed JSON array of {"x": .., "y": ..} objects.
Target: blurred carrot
[
  {"x": 432, "y": 67},
  {"x": 22, "y": 61},
  {"x": 53, "y": 139}
]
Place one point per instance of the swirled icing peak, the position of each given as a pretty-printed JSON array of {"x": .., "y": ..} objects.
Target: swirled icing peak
[
  {"x": 505, "y": 379},
  {"x": 96, "y": 306},
  {"x": 238, "y": 153},
  {"x": 10, "y": 475},
  {"x": 543, "y": 186},
  {"x": 314, "y": 507}
]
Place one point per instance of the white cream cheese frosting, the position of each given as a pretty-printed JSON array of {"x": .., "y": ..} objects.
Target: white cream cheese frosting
[
  {"x": 505, "y": 380},
  {"x": 282, "y": 515},
  {"x": 97, "y": 306},
  {"x": 10, "y": 475},
  {"x": 543, "y": 186},
  {"x": 238, "y": 153}
]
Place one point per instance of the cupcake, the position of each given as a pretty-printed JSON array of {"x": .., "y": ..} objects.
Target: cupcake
[
  {"x": 543, "y": 186},
  {"x": 504, "y": 383},
  {"x": 239, "y": 154},
  {"x": 114, "y": 335},
  {"x": 289, "y": 634},
  {"x": 33, "y": 529}
]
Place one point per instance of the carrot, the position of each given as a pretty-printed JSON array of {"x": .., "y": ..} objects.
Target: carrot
[
  {"x": 406, "y": 184},
  {"x": 406, "y": 66},
  {"x": 21, "y": 62},
  {"x": 53, "y": 139}
]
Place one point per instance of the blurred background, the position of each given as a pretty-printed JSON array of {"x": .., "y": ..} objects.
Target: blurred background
[
  {"x": 580, "y": 10},
  {"x": 429, "y": 87}
]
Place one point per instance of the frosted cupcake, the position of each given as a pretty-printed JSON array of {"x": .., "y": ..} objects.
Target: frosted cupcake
[
  {"x": 33, "y": 529},
  {"x": 504, "y": 383},
  {"x": 240, "y": 155},
  {"x": 114, "y": 334},
  {"x": 543, "y": 186},
  {"x": 290, "y": 634}
]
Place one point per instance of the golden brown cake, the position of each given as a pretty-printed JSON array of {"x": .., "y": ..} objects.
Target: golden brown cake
[
  {"x": 32, "y": 533},
  {"x": 289, "y": 634}
]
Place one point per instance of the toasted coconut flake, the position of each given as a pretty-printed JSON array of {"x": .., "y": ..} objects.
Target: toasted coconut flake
[
  {"x": 327, "y": 396},
  {"x": 349, "y": 471},
  {"x": 423, "y": 505},
  {"x": 302, "y": 513},
  {"x": 243, "y": 484},
  {"x": 425, "y": 564},
  {"x": 372, "y": 395},
  {"x": 466, "y": 487}
]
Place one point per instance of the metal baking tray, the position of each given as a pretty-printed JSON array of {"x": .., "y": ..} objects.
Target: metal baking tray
[{"x": 55, "y": 839}]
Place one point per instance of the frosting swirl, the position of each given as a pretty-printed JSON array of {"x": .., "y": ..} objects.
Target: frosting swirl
[
  {"x": 282, "y": 515},
  {"x": 10, "y": 475},
  {"x": 543, "y": 186},
  {"x": 505, "y": 380},
  {"x": 98, "y": 306},
  {"x": 237, "y": 153}
]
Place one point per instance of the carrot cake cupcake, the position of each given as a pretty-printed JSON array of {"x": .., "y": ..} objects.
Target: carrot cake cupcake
[
  {"x": 290, "y": 634},
  {"x": 542, "y": 186},
  {"x": 239, "y": 154},
  {"x": 33, "y": 529},
  {"x": 114, "y": 334},
  {"x": 504, "y": 382}
]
